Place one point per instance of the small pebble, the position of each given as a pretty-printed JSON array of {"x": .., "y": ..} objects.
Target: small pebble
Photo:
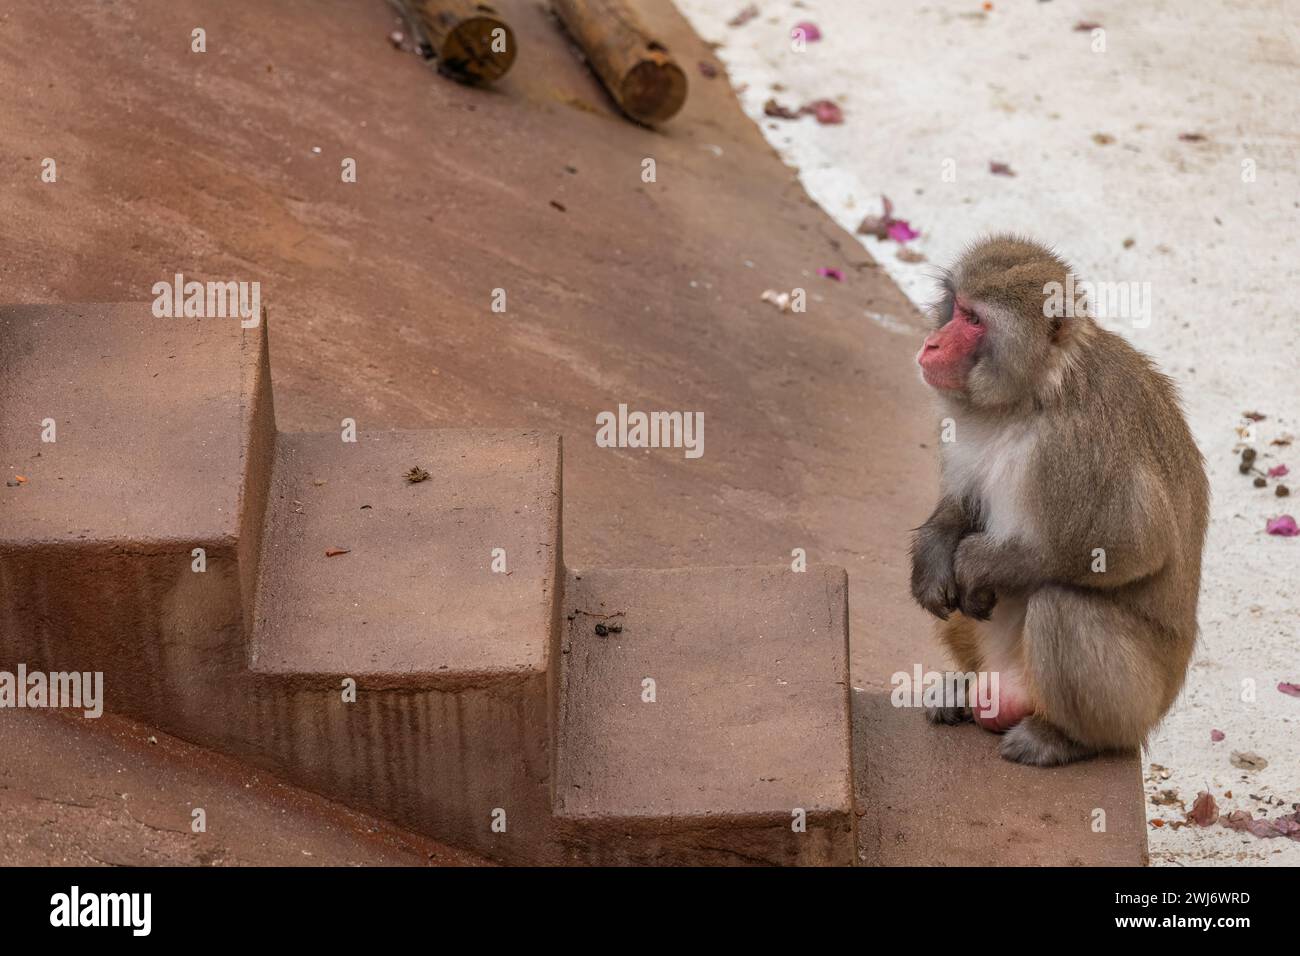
[
  {"x": 601, "y": 630},
  {"x": 1260, "y": 482},
  {"x": 1282, "y": 491}
]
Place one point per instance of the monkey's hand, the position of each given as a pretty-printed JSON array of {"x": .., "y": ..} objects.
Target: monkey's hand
[
  {"x": 933, "y": 583},
  {"x": 976, "y": 568}
]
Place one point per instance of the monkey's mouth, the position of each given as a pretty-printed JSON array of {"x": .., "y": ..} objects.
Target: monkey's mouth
[
  {"x": 945, "y": 378},
  {"x": 945, "y": 372}
]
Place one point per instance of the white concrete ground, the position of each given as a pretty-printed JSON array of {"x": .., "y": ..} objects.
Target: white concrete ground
[{"x": 1093, "y": 137}]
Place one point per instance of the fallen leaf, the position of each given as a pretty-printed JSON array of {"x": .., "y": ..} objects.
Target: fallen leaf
[
  {"x": 1086, "y": 26},
  {"x": 1284, "y": 826},
  {"x": 1192, "y": 137},
  {"x": 779, "y": 299},
  {"x": 776, "y": 110},
  {"x": 20, "y": 479},
  {"x": 1283, "y": 440},
  {"x": 1103, "y": 139},
  {"x": 744, "y": 16},
  {"x": 1246, "y": 760},
  {"x": 416, "y": 474},
  {"x": 1283, "y": 526},
  {"x": 1167, "y": 798},
  {"x": 877, "y": 226},
  {"x": 708, "y": 70},
  {"x": 1157, "y": 823},
  {"x": 335, "y": 552},
  {"x": 1000, "y": 169},
  {"x": 1291, "y": 690},
  {"x": 1279, "y": 471},
  {"x": 827, "y": 272},
  {"x": 1217, "y": 735},
  {"x": 558, "y": 205},
  {"x": 1254, "y": 416},
  {"x": 1205, "y": 811}
]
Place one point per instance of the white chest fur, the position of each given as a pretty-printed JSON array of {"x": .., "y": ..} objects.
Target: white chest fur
[{"x": 990, "y": 464}]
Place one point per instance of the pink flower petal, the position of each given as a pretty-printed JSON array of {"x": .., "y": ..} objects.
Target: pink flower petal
[
  {"x": 1290, "y": 689},
  {"x": 809, "y": 30},
  {"x": 826, "y": 111},
  {"x": 1283, "y": 526},
  {"x": 1216, "y": 735},
  {"x": 829, "y": 273},
  {"x": 901, "y": 231},
  {"x": 1278, "y": 471}
]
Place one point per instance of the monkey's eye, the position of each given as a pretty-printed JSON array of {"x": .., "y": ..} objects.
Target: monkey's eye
[{"x": 972, "y": 318}]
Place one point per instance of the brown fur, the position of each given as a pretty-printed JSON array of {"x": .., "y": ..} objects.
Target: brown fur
[
  {"x": 960, "y": 635},
  {"x": 1095, "y": 443}
]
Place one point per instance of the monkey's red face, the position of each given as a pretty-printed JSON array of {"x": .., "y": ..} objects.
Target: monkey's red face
[{"x": 948, "y": 354}]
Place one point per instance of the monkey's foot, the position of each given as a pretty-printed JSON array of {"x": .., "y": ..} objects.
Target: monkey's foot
[
  {"x": 948, "y": 715},
  {"x": 1034, "y": 741}
]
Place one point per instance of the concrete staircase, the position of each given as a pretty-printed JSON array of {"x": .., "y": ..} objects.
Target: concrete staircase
[{"x": 171, "y": 538}]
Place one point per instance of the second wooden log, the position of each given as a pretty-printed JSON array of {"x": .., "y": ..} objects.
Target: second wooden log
[{"x": 644, "y": 80}]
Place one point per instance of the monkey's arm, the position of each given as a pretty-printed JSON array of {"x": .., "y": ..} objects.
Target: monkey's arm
[
  {"x": 934, "y": 546},
  {"x": 1123, "y": 544}
]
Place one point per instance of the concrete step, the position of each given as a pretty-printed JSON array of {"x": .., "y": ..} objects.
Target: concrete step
[
  {"x": 162, "y": 435},
  {"x": 710, "y": 719},
  {"x": 416, "y": 600},
  {"x": 450, "y": 722}
]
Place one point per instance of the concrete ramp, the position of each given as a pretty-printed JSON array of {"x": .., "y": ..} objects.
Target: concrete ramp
[{"x": 413, "y": 648}]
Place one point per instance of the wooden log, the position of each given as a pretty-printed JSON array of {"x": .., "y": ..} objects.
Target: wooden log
[
  {"x": 637, "y": 70},
  {"x": 471, "y": 41}
]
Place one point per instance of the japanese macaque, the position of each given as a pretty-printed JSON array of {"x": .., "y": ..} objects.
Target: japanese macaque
[{"x": 1065, "y": 550}]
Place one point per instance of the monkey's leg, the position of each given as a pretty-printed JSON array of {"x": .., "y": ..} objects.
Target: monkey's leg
[
  {"x": 1004, "y": 695},
  {"x": 958, "y": 634},
  {"x": 1097, "y": 682}
]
